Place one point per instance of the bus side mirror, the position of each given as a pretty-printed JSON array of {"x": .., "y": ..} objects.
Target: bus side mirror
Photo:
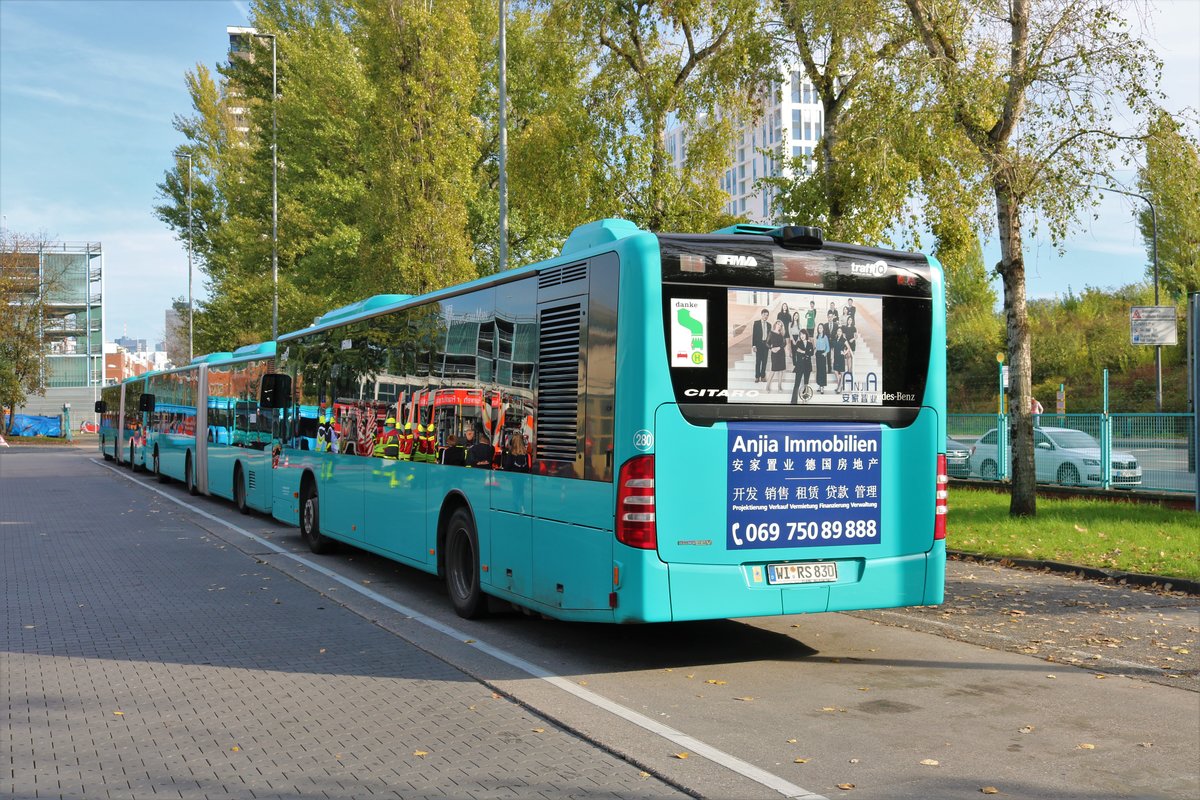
[
  {"x": 146, "y": 403},
  {"x": 101, "y": 407},
  {"x": 275, "y": 391}
]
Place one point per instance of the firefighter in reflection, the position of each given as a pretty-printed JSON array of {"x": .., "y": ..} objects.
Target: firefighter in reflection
[
  {"x": 425, "y": 448},
  {"x": 407, "y": 442},
  {"x": 326, "y": 435},
  {"x": 388, "y": 443}
]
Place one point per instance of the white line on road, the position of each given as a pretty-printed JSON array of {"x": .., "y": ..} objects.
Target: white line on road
[{"x": 691, "y": 744}]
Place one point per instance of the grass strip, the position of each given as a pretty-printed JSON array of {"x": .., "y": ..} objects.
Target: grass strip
[{"x": 1091, "y": 533}]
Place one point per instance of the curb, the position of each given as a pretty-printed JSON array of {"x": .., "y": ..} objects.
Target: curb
[{"x": 1094, "y": 573}]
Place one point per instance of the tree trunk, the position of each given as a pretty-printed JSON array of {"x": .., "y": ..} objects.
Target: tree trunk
[
  {"x": 1020, "y": 420},
  {"x": 833, "y": 187},
  {"x": 658, "y": 166}
]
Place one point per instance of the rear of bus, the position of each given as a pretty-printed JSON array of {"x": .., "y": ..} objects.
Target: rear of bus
[{"x": 738, "y": 500}]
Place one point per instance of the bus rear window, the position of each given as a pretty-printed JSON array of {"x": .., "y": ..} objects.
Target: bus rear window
[{"x": 797, "y": 332}]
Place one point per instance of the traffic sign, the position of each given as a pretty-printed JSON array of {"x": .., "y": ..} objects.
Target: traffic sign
[{"x": 1154, "y": 325}]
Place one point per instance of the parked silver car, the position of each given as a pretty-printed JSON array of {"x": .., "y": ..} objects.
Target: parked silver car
[
  {"x": 958, "y": 459},
  {"x": 1061, "y": 455}
]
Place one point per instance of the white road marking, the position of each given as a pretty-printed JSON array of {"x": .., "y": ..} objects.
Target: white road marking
[{"x": 681, "y": 739}]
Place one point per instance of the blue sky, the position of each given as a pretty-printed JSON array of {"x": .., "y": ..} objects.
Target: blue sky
[{"x": 88, "y": 90}]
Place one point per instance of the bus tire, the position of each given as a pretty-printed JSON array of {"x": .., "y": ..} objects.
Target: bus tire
[
  {"x": 132, "y": 466},
  {"x": 104, "y": 449},
  {"x": 310, "y": 521},
  {"x": 189, "y": 476},
  {"x": 239, "y": 490},
  {"x": 462, "y": 566},
  {"x": 988, "y": 470},
  {"x": 158, "y": 473}
]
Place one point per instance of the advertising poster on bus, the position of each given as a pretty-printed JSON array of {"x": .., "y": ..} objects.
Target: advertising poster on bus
[
  {"x": 805, "y": 348},
  {"x": 803, "y": 485}
]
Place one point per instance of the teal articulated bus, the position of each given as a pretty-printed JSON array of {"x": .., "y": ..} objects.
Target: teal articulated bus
[
  {"x": 238, "y": 434},
  {"x": 650, "y": 427},
  {"x": 646, "y": 428},
  {"x": 123, "y": 422},
  {"x": 199, "y": 424}
]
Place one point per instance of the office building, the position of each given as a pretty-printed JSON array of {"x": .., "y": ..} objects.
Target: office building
[
  {"x": 789, "y": 124},
  {"x": 70, "y": 277}
]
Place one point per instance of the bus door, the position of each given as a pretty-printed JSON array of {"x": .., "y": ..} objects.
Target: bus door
[
  {"x": 512, "y": 497},
  {"x": 807, "y": 463},
  {"x": 395, "y": 490}
]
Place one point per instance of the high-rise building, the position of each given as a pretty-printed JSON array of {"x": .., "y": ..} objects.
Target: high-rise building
[
  {"x": 70, "y": 279},
  {"x": 789, "y": 124},
  {"x": 239, "y": 47},
  {"x": 131, "y": 344}
]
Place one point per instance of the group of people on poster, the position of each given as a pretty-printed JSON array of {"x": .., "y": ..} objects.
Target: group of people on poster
[{"x": 825, "y": 347}]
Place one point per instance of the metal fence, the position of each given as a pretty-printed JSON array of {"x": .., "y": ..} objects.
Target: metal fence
[{"x": 1148, "y": 452}]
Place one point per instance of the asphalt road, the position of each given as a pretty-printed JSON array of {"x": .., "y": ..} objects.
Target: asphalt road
[{"x": 1037, "y": 685}]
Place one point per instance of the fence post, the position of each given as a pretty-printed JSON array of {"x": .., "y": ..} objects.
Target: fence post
[
  {"x": 1106, "y": 441},
  {"x": 1002, "y": 454},
  {"x": 1194, "y": 347}
]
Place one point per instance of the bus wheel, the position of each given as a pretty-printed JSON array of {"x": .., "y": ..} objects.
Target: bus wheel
[
  {"x": 310, "y": 522},
  {"x": 189, "y": 476},
  {"x": 239, "y": 490},
  {"x": 158, "y": 473},
  {"x": 132, "y": 466},
  {"x": 462, "y": 567},
  {"x": 104, "y": 449}
]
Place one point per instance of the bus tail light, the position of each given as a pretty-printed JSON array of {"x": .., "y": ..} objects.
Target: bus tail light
[
  {"x": 940, "y": 507},
  {"x": 635, "y": 504}
]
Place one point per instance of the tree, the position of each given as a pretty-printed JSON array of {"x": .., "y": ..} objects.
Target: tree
[
  {"x": 421, "y": 143},
  {"x": 702, "y": 63},
  {"x": 27, "y": 285},
  {"x": 858, "y": 182},
  {"x": 557, "y": 175},
  {"x": 1171, "y": 179},
  {"x": 1028, "y": 85},
  {"x": 321, "y": 109}
]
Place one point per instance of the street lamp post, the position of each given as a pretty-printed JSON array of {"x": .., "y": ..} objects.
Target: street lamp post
[
  {"x": 503, "y": 140},
  {"x": 1154, "y": 259},
  {"x": 188, "y": 156},
  {"x": 274, "y": 195}
]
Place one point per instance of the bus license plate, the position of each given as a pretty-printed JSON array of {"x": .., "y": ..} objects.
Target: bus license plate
[{"x": 820, "y": 572}]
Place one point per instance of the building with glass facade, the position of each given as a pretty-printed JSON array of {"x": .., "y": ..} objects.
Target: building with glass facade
[
  {"x": 789, "y": 125},
  {"x": 72, "y": 324}
]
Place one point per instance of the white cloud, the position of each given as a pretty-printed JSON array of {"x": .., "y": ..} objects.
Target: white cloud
[{"x": 75, "y": 101}]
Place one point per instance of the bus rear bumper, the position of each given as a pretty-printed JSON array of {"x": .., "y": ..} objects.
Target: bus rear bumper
[{"x": 716, "y": 592}]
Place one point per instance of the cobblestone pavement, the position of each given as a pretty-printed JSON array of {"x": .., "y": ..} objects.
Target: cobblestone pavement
[{"x": 142, "y": 659}]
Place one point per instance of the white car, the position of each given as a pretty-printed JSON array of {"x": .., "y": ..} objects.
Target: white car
[{"x": 1061, "y": 455}]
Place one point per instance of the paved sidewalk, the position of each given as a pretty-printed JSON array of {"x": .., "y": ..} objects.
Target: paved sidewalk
[
  {"x": 143, "y": 658},
  {"x": 1104, "y": 627}
]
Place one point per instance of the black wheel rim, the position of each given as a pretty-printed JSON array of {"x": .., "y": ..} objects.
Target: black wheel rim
[{"x": 309, "y": 514}]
